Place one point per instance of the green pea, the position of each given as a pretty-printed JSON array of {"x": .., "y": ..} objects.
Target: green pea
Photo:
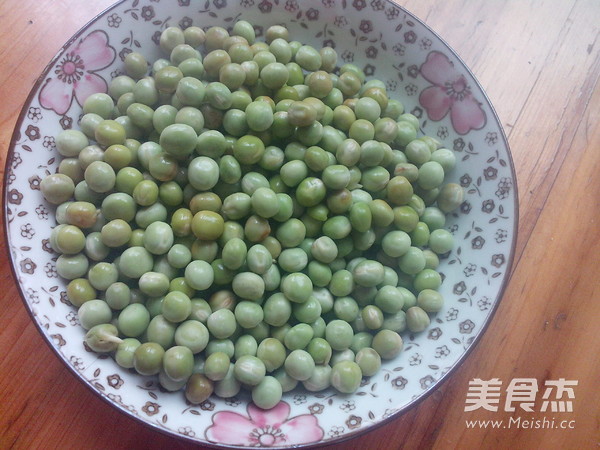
[
  {"x": 161, "y": 331},
  {"x": 399, "y": 190},
  {"x": 319, "y": 273},
  {"x": 147, "y": 358},
  {"x": 420, "y": 235},
  {"x": 299, "y": 365},
  {"x": 248, "y": 149},
  {"x": 337, "y": 227},
  {"x": 368, "y": 360},
  {"x": 450, "y": 197},
  {"x": 445, "y": 158},
  {"x": 248, "y": 314},
  {"x": 320, "y": 350},
  {"x": 133, "y": 320},
  {"x": 127, "y": 179},
  {"x": 417, "y": 152},
  {"x": 319, "y": 380},
  {"x": 298, "y": 336},
  {"x": 181, "y": 222},
  {"x": 405, "y": 218},
  {"x": 222, "y": 299},
  {"x": 125, "y": 351},
  {"x": 316, "y": 158},
  {"x": 413, "y": 261},
  {"x": 361, "y": 131},
  {"x": 368, "y": 273},
  {"x": 287, "y": 382},
  {"x": 199, "y": 275},
  {"x": 395, "y": 322},
  {"x": 297, "y": 287},
  {"x": 158, "y": 238},
  {"x": 431, "y": 175},
  {"x": 441, "y": 241},
  {"x": 310, "y": 192},
  {"x": 178, "y": 140},
  {"x": 170, "y": 38},
  {"x": 342, "y": 283},
  {"x": 99, "y": 176},
  {"x": 361, "y": 339},
  {"x": 320, "y": 84},
  {"x": 256, "y": 228},
  {"x": 102, "y": 275},
  {"x": 207, "y": 225},
  {"x": 118, "y": 295},
  {"x": 259, "y": 332},
  {"x": 264, "y": 202},
  {"x": 318, "y": 327},
  {"x": 293, "y": 259},
  {"x": 216, "y": 366},
  {"x": 395, "y": 243},
  {"x": 222, "y": 275},
  {"x": 310, "y": 134},
  {"x": 221, "y": 323},
  {"x": 234, "y": 253},
  {"x": 408, "y": 171},
  {"x": 372, "y": 317},
  {"x": 301, "y": 114},
  {"x": 81, "y": 214},
  {"x": 70, "y": 143},
  {"x": 71, "y": 167},
  {"x": 120, "y": 85},
  {"x": 94, "y": 312},
  {"x": 267, "y": 393},
  {"x": 245, "y": 345},
  {"x": 220, "y": 345},
  {"x": 198, "y": 388},
  {"x": 244, "y": 29},
  {"x": 430, "y": 300},
  {"x": 338, "y": 334},
  {"x": 374, "y": 179},
  {"x": 309, "y": 311},
  {"x": 249, "y": 370},
  {"x": 90, "y": 154},
  {"x": 387, "y": 343},
  {"x": 349, "y": 83},
  {"x": 346, "y": 376},
  {"x": 248, "y": 285},
  {"x": 277, "y": 310},
  {"x": 116, "y": 233},
  {"x": 291, "y": 233},
  {"x": 433, "y": 217},
  {"x": 274, "y": 75},
  {"x": 154, "y": 284},
  {"x": 80, "y": 291},
  {"x": 336, "y": 176},
  {"x": 200, "y": 310}
]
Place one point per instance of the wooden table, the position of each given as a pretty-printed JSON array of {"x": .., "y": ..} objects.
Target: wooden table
[{"x": 539, "y": 61}]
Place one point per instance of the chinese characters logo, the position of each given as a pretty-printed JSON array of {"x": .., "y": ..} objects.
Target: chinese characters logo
[{"x": 557, "y": 395}]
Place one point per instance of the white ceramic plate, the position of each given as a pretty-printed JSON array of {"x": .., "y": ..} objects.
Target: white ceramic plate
[{"x": 418, "y": 68}]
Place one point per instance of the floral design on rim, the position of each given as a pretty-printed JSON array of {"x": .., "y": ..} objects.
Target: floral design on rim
[
  {"x": 76, "y": 75},
  {"x": 265, "y": 428},
  {"x": 450, "y": 93}
]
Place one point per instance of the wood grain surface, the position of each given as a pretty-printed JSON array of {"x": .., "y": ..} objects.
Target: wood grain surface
[{"x": 539, "y": 61}]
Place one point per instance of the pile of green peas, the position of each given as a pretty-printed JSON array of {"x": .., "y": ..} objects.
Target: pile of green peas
[{"x": 249, "y": 216}]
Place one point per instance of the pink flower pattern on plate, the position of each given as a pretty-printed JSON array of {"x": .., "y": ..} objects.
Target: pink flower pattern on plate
[
  {"x": 265, "y": 428},
  {"x": 75, "y": 73},
  {"x": 450, "y": 93}
]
